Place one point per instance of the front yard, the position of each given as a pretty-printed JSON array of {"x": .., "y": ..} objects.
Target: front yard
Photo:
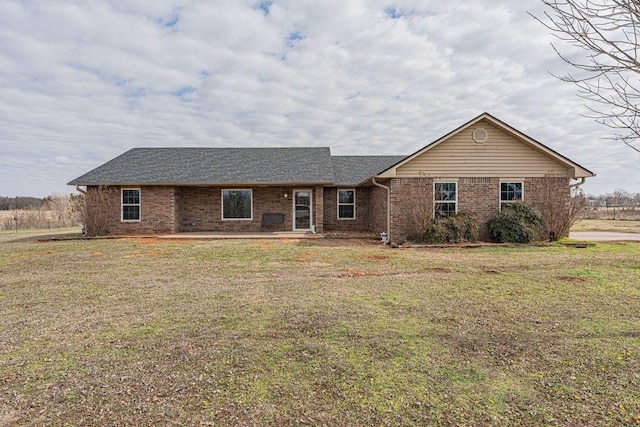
[{"x": 328, "y": 332}]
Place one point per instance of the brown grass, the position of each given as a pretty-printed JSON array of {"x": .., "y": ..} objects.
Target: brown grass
[
  {"x": 628, "y": 213},
  {"x": 619, "y": 226},
  {"x": 154, "y": 332}
]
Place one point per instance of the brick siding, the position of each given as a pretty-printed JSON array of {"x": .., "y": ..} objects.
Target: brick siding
[
  {"x": 200, "y": 209},
  {"x": 362, "y": 220},
  {"x": 478, "y": 195},
  {"x": 318, "y": 209},
  {"x": 178, "y": 209},
  {"x": 378, "y": 210},
  {"x": 157, "y": 212},
  {"x": 410, "y": 197},
  {"x": 167, "y": 209}
]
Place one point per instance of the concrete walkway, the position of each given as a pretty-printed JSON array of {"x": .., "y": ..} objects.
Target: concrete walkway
[
  {"x": 228, "y": 235},
  {"x": 603, "y": 236}
]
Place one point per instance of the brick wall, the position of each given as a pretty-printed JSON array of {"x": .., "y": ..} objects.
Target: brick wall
[
  {"x": 411, "y": 202},
  {"x": 362, "y": 220},
  {"x": 174, "y": 209},
  {"x": 200, "y": 209},
  {"x": 157, "y": 212},
  {"x": 538, "y": 190},
  {"x": 378, "y": 210},
  {"x": 482, "y": 197},
  {"x": 318, "y": 209},
  {"x": 478, "y": 195}
]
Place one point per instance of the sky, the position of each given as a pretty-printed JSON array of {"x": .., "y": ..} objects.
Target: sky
[{"x": 84, "y": 81}]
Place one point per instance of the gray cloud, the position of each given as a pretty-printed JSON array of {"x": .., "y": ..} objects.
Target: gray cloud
[{"x": 81, "y": 82}]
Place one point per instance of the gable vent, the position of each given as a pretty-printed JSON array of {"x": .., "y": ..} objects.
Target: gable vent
[{"x": 479, "y": 135}]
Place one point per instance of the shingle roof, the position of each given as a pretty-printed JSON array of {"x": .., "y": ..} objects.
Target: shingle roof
[
  {"x": 214, "y": 166},
  {"x": 353, "y": 170}
]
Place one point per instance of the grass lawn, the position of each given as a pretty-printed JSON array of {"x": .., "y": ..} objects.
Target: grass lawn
[{"x": 328, "y": 332}]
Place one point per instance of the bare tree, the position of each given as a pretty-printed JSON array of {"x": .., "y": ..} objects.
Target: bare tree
[
  {"x": 560, "y": 208},
  {"x": 60, "y": 208},
  {"x": 417, "y": 214},
  {"x": 95, "y": 207},
  {"x": 608, "y": 31}
]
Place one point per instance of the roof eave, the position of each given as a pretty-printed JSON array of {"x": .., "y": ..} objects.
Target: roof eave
[{"x": 205, "y": 184}]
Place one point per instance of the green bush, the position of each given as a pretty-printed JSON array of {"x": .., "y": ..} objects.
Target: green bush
[
  {"x": 457, "y": 228},
  {"x": 517, "y": 223}
]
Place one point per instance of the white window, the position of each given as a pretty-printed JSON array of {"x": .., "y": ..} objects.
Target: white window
[
  {"x": 237, "y": 204},
  {"x": 346, "y": 204},
  {"x": 445, "y": 199},
  {"x": 511, "y": 192},
  {"x": 130, "y": 206}
]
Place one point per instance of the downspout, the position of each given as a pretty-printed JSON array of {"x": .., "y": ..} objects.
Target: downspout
[
  {"x": 377, "y": 184},
  {"x": 80, "y": 190},
  {"x": 578, "y": 184}
]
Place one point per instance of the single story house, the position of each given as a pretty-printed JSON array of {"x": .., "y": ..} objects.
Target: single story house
[{"x": 477, "y": 167}]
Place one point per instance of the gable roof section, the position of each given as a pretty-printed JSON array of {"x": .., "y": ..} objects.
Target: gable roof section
[
  {"x": 578, "y": 171},
  {"x": 225, "y": 166},
  {"x": 283, "y": 166},
  {"x": 354, "y": 170}
]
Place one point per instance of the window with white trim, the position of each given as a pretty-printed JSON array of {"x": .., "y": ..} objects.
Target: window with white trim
[
  {"x": 445, "y": 199},
  {"x": 130, "y": 204},
  {"x": 237, "y": 204},
  {"x": 346, "y": 204},
  {"x": 511, "y": 192}
]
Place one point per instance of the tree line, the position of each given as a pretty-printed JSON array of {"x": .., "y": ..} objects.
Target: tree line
[
  {"x": 618, "y": 199},
  {"x": 54, "y": 211},
  {"x": 20, "y": 202}
]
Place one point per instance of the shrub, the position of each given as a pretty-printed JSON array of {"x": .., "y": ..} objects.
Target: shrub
[
  {"x": 517, "y": 223},
  {"x": 94, "y": 207},
  {"x": 560, "y": 207},
  {"x": 458, "y": 228}
]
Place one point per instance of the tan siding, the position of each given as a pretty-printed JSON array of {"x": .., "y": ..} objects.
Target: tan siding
[{"x": 502, "y": 155}]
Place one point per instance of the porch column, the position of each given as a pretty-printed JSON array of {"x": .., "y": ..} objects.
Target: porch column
[{"x": 318, "y": 206}]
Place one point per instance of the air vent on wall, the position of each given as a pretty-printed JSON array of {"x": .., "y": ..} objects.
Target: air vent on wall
[{"x": 479, "y": 135}]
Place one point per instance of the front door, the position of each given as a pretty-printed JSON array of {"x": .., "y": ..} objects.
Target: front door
[{"x": 302, "y": 210}]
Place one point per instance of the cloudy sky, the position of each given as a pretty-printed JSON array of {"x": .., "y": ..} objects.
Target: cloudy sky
[{"x": 82, "y": 81}]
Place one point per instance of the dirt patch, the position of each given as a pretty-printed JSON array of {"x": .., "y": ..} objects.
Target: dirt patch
[
  {"x": 492, "y": 272},
  {"x": 151, "y": 241}
]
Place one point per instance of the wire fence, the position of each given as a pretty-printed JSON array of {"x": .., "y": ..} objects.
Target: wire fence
[
  {"x": 631, "y": 213},
  {"x": 29, "y": 219}
]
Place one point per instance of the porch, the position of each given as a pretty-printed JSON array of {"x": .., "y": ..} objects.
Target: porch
[
  {"x": 216, "y": 235},
  {"x": 247, "y": 211}
]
